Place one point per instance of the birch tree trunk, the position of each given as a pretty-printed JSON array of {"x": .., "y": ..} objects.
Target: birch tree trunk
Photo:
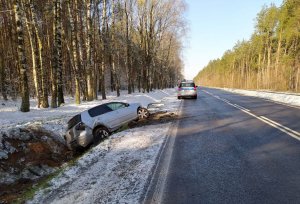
[
  {"x": 127, "y": 63},
  {"x": 35, "y": 57},
  {"x": 41, "y": 73},
  {"x": 55, "y": 60},
  {"x": 104, "y": 41},
  {"x": 25, "y": 106},
  {"x": 74, "y": 50},
  {"x": 2, "y": 79},
  {"x": 58, "y": 51},
  {"x": 79, "y": 40},
  {"x": 114, "y": 81},
  {"x": 90, "y": 87}
]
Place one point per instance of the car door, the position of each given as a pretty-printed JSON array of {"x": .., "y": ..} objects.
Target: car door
[
  {"x": 111, "y": 119},
  {"x": 103, "y": 115},
  {"x": 132, "y": 110},
  {"x": 121, "y": 109}
]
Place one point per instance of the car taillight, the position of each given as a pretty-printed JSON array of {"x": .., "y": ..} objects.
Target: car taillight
[
  {"x": 195, "y": 88},
  {"x": 80, "y": 126},
  {"x": 179, "y": 89}
]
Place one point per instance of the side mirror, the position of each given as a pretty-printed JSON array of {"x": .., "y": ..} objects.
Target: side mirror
[{"x": 127, "y": 104}]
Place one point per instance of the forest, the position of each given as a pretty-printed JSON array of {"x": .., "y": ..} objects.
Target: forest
[
  {"x": 84, "y": 48},
  {"x": 269, "y": 60}
]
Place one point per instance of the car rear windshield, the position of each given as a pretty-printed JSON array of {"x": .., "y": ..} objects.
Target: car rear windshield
[
  {"x": 99, "y": 110},
  {"x": 73, "y": 121},
  {"x": 187, "y": 85}
]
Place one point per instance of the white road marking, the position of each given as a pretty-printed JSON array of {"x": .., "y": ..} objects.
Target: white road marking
[
  {"x": 207, "y": 92},
  {"x": 277, "y": 127},
  {"x": 164, "y": 157},
  {"x": 242, "y": 108},
  {"x": 282, "y": 128}
]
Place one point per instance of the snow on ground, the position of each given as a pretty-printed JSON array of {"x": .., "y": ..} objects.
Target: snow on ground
[
  {"x": 118, "y": 169},
  {"x": 115, "y": 171},
  {"x": 10, "y": 115},
  {"x": 282, "y": 97},
  {"x": 55, "y": 119}
]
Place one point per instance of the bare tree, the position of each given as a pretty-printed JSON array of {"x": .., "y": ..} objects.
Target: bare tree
[{"x": 85, "y": 47}]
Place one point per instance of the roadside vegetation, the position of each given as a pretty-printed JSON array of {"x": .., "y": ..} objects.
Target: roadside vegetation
[
  {"x": 269, "y": 60},
  {"x": 53, "y": 48}
]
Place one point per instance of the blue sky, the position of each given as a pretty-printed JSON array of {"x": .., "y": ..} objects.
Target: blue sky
[{"x": 215, "y": 26}]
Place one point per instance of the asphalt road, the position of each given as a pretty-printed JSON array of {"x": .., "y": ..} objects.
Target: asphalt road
[{"x": 230, "y": 148}]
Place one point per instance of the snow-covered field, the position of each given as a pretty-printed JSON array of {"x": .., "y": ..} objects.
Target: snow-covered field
[
  {"x": 56, "y": 119},
  {"x": 10, "y": 115},
  {"x": 281, "y": 97},
  {"x": 115, "y": 171}
]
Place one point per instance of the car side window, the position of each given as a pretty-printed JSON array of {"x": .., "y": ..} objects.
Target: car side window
[
  {"x": 99, "y": 110},
  {"x": 116, "y": 106}
]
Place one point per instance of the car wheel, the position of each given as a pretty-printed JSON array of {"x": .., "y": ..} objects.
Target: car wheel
[
  {"x": 195, "y": 97},
  {"x": 100, "y": 133},
  {"x": 178, "y": 97},
  {"x": 143, "y": 113}
]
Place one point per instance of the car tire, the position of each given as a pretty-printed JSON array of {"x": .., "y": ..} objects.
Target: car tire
[
  {"x": 143, "y": 113},
  {"x": 195, "y": 97},
  {"x": 178, "y": 97},
  {"x": 99, "y": 134}
]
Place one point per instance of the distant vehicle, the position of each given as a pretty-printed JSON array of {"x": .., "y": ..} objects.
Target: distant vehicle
[
  {"x": 92, "y": 125},
  {"x": 187, "y": 89}
]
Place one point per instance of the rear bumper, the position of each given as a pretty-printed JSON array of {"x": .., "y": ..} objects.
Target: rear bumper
[
  {"x": 75, "y": 138},
  {"x": 187, "y": 93}
]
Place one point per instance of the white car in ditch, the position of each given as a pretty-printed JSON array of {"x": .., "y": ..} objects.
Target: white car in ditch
[{"x": 92, "y": 125}]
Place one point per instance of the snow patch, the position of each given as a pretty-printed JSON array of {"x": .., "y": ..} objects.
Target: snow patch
[
  {"x": 55, "y": 119},
  {"x": 115, "y": 171},
  {"x": 287, "y": 98}
]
